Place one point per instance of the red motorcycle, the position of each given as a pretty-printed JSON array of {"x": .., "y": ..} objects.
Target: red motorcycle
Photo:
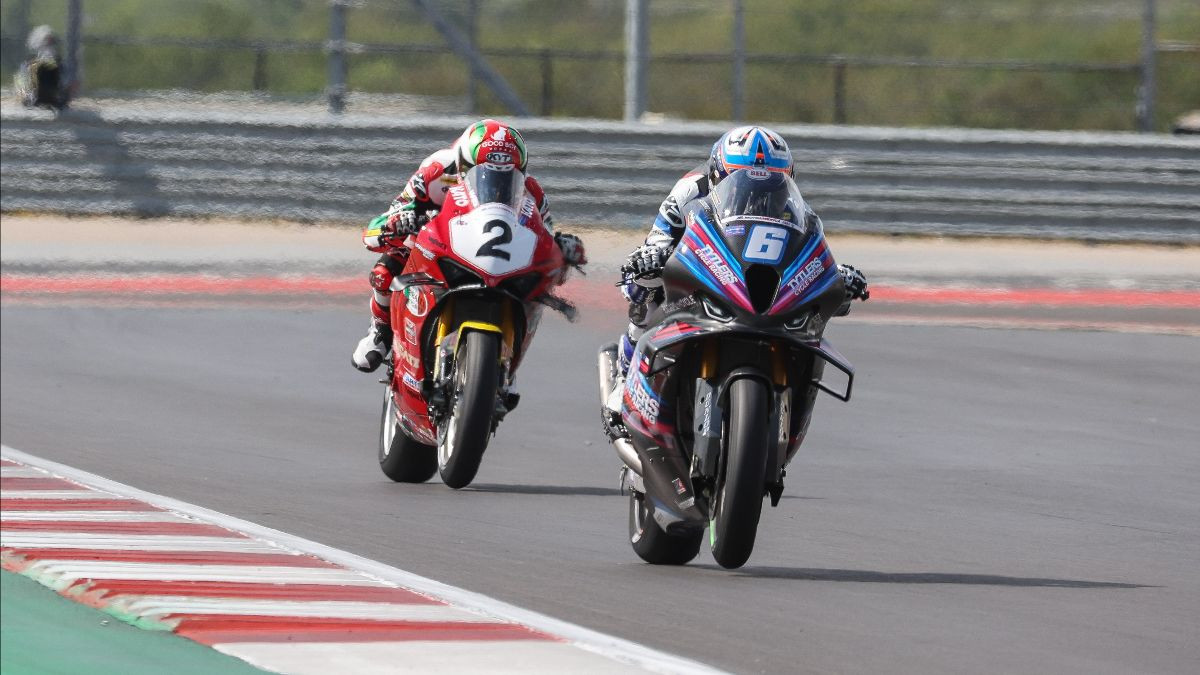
[{"x": 463, "y": 314}]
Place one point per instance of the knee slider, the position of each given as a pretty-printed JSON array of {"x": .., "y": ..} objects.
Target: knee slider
[{"x": 380, "y": 278}]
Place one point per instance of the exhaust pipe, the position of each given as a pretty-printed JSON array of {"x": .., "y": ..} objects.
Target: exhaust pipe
[
  {"x": 608, "y": 356},
  {"x": 605, "y": 365},
  {"x": 628, "y": 455}
]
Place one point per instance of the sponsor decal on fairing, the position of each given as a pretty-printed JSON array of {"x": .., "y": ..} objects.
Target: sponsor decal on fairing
[
  {"x": 458, "y": 194},
  {"x": 704, "y": 253},
  {"x": 418, "y": 302},
  {"x": 411, "y": 382},
  {"x": 640, "y": 397},
  {"x": 813, "y": 272},
  {"x": 716, "y": 265}
]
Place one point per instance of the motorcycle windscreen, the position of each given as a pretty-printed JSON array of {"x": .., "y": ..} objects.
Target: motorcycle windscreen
[
  {"x": 762, "y": 196},
  {"x": 495, "y": 184}
]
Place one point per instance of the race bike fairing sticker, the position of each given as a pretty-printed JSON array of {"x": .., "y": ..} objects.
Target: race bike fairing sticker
[
  {"x": 643, "y": 410},
  {"x": 810, "y": 275},
  {"x": 674, "y": 332},
  {"x": 706, "y": 256}
]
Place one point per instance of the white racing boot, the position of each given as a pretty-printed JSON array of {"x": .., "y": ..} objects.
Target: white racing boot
[{"x": 374, "y": 348}]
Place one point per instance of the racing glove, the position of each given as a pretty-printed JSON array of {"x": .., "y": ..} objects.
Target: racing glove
[
  {"x": 856, "y": 283},
  {"x": 572, "y": 248},
  {"x": 645, "y": 261},
  {"x": 404, "y": 222},
  {"x": 856, "y": 288}
]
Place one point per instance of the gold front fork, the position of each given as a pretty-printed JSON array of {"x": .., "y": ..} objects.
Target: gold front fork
[
  {"x": 445, "y": 321},
  {"x": 708, "y": 361},
  {"x": 778, "y": 366}
]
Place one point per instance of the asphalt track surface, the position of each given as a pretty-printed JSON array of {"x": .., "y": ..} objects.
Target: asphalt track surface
[{"x": 990, "y": 501}]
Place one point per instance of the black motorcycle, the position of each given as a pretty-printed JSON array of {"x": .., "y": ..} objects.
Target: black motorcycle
[{"x": 721, "y": 387}]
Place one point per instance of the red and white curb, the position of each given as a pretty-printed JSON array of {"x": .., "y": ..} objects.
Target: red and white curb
[{"x": 275, "y": 600}]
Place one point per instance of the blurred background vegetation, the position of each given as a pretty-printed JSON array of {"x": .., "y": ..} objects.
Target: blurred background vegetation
[{"x": 580, "y": 73}]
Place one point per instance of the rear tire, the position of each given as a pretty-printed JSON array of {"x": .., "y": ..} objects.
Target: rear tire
[
  {"x": 476, "y": 382},
  {"x": 652, "y": 543},
  {"x": 739, "y": 498},
  {"x": 401, "y": 458}
]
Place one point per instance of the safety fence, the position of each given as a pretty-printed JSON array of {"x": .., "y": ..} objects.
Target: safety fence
[{"x": 320, "y": 168}]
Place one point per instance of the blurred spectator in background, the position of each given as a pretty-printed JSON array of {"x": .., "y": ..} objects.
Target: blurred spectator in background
[{"x": 40, "y": 81}]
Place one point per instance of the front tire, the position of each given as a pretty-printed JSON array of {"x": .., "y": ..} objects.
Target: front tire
[
  {"x": 401, "y": 458},
  {"x": 476, "y": 382},
  {"x": 740, "y": 493},
  {"x": 652, "y": 543}
]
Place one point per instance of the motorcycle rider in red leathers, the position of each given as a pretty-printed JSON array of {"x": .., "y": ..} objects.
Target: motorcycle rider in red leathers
[
  {"x": 739, "y": 148},
  {"x": 484, "y": 141}
]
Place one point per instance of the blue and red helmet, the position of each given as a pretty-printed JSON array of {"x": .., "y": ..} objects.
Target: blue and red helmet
[{"x": 748, "y": 148}]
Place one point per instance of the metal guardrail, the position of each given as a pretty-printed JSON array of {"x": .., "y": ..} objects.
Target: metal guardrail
[{"x": 1107, "y": 187}]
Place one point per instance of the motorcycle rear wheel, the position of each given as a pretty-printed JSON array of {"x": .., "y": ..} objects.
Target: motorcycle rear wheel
[
  {"x": 739, "y": 500},
  {"x": 652, "y": 543},
  {"x": 476, "y": 382},
  {"x": 401, "y": 458}
]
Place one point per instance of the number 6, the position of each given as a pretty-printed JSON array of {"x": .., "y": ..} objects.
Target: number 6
[{"x": 765, "y": 244}]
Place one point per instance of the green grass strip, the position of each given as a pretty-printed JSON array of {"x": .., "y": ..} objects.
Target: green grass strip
[{"x": 42, "y": 632}]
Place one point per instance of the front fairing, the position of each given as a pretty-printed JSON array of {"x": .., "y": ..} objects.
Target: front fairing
[
  {"x": 764, "y": 272},
  {"x": 491, "y": 241}
]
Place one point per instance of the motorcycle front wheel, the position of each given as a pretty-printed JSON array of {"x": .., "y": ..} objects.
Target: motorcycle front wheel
[
  {"x": 652, "y": 543},
  {"x": 739, "y": 499},
  {"x": 476, "y": 381},
  {"x": 401, "y": 458}
]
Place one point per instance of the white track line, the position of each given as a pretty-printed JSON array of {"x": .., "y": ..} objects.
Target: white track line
[
  {"x": 135, "y": 542},
  {"x": 22, "y": 472},
  {"x": 623, "y": 651},
  {"x": 95, "y": 516},
  {"x": 156, "y": 605},
  {"x": 67, "y": 572},
  {"x": 59, "y": 494}
]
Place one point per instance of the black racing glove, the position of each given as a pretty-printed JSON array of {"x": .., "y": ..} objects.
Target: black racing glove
[
  {"x": 645, "y": 261},
  {"x": 856, "y": 283},
  {"x": 572, "y": 248}
]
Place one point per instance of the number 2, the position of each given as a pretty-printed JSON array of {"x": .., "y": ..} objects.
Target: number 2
[
  {"x": 489, "y": 247},
  {"x": 765, "y": 244}
]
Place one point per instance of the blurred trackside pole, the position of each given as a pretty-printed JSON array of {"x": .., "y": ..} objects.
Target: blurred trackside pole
[
  {"x": 1146, "y": 90},
  {"x": 739, "y": 61},
  {"x": 336, "y": 46},
  {"x": 466, "y": 49},
  {"x": 74, "y": 63},
  {"x": 472, "y": 71},
  {"x": 637, "y": 47}
]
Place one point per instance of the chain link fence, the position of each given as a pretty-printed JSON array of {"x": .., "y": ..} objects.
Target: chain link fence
[{"x": 1026, "y": 64}]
